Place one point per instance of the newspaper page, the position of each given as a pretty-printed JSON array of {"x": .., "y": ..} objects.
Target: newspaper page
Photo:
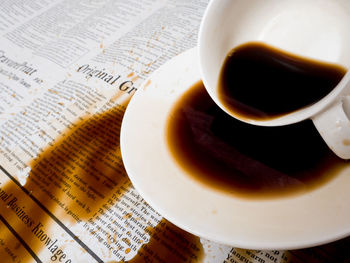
[{"x": 67, "y": 72}]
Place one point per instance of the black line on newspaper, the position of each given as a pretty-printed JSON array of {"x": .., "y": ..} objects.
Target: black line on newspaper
[
  {"x": 80, "y": 242},
  {"x": 31, "y": 252}
]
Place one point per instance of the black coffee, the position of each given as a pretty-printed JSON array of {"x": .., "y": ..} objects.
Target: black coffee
[
  {"x": 261, "y": 82},
  {"x": 246, "y": 160}
]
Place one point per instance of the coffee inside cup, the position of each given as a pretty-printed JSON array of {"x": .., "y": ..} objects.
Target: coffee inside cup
[{"x": 261, "y": 82}]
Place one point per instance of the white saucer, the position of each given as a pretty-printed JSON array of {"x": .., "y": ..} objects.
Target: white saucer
[{"x": 311, "y": 219}]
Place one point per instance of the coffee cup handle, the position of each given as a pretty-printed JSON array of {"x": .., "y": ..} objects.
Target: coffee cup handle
[{"x": 334, "y": 126}]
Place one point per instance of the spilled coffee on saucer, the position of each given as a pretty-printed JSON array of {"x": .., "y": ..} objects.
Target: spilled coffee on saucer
[
  {"x": 246, "y": 160},
  {"x": 261, "y": 82}
]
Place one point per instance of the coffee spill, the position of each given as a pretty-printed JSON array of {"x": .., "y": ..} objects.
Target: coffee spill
[
  {"x": 242, "y": 159},
  {"x": 170, "y": 244},
  {"x": 334, "y": 252},
  {"x": 262, "y": 82},
  {"x": 84, "y": 165},
  {"x": 10, "y": 245},
  {"x": 88, "y": 155}
]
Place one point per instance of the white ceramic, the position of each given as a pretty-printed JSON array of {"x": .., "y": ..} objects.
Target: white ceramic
[
  {"x": 305, "y": 220},
  {"x": 316, "y": 29}
]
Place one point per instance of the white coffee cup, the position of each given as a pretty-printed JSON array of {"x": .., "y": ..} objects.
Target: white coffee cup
[{"x": 317, "y": 29}]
